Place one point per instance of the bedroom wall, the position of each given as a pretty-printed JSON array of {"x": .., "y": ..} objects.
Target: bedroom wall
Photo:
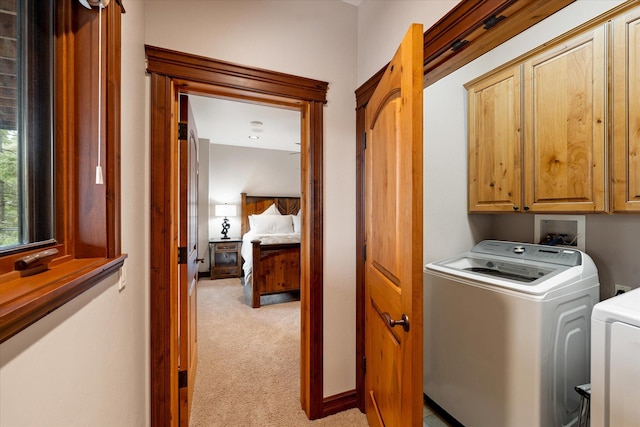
[
  {"x": 611, "y": 240},
  {"x": 315, "y": 39},
  {"x": 85, "y": 364},
  {"x": 255, "y": 171}
]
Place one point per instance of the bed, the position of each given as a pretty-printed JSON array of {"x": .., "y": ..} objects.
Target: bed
[{"x": 271, "y": 251}]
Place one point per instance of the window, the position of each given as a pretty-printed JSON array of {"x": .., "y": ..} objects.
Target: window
[
  {"x": 26, "y": 140},
  {"x": 49, "y": 106}
]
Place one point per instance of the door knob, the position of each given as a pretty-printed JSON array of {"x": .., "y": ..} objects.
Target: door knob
[
  {"x": 199, "y": 260},
  {"x": 404, "y": 322}
]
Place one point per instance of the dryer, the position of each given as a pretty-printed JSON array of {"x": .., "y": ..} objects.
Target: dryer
[
  {"x": 615, "y": 361},
  {"x": 507, "y": 333}
]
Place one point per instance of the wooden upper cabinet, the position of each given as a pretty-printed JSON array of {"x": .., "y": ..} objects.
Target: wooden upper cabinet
[
  {"x": 626, "y": 112},
  {"x": 564, "y": 104},
  {"x": 495, "y": 142},
  {"x": 537, "y": 131}
]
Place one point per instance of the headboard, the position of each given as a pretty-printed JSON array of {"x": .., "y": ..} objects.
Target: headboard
[{"x": 257, "y": 204}]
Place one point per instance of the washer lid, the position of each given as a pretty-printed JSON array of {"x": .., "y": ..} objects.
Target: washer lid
[
  {"x": 521, "y": 267},
  {"x": 623, "y": 308},
  {"x": 525, "y": 273}
]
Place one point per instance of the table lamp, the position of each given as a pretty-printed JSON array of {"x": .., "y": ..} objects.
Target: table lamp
[{"x": 225, "y": 211}]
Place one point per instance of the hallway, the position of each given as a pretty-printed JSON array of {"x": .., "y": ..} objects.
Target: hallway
[{"x": 249, "y": 362}]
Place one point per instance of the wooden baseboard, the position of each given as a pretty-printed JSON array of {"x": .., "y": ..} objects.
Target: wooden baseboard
[{"x": 339, "y": 402}]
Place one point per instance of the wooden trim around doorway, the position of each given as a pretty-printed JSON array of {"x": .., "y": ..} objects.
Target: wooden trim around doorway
[{"x": 172, "y": 73}]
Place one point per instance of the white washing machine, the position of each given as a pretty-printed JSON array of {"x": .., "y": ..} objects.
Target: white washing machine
[
  {"x": 615, "y": 361},
  {"x": 507, "y": 333}
]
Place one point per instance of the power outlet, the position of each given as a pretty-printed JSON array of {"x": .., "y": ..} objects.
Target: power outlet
[
  {"x": 123, "y": 279},
  {"x": 620, "y": 289}
]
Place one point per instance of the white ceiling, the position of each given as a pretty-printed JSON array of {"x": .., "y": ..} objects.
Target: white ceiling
[{"x": 229, "y": 123}]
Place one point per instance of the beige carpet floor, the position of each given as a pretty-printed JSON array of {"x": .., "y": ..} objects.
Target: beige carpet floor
[{"x": 249, "y": 363}]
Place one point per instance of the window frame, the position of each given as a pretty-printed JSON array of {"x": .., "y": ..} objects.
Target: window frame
[
  {"x": 27, "y": 38},
  {"x": 87, "y": 215},
  {"x": 39, "y": 158}
]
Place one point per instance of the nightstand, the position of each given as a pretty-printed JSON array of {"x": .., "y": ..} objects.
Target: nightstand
[{"x": 225, "y": 258}]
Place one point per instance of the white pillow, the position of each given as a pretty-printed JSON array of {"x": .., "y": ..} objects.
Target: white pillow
[
  {"x": 271, "y": 210},
  {"x": 270, "y": 224},
  {"x": 297, "y": 222}
]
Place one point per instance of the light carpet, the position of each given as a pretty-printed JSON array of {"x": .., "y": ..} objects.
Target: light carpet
[{"x": 249, "y": 363}]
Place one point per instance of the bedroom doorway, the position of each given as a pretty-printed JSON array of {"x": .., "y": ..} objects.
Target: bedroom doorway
[
  {"x": 172, "y": 73},
  {"x": 245, "y": 149}
]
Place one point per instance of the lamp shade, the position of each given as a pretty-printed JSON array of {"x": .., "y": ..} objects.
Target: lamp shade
[{"x": 225, "y": 210}]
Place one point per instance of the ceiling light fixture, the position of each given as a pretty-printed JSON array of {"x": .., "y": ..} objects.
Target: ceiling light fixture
[
  {"x": 256, "y": 123},
  {"x": 254, "y": 137}
]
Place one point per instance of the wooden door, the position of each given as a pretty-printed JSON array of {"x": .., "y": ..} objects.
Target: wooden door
[
  {"x": 188, "y": 254},
  {"x": 495, "y": 143},
  {"x": 393, "y": 265},
  {"x": 565, "y": 126},
  {"x": 626, "y": 112}
]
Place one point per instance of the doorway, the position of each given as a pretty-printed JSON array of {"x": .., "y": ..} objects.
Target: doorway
[
  {"x": 255, "y": 149},
  {"x": 172, "y": 73}
]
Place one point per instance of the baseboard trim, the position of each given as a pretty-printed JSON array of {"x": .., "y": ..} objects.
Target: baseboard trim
[{"x": 339, "y": 402}]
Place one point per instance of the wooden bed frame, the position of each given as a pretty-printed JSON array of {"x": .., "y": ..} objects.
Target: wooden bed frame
[{"x": 276, "y": 268}]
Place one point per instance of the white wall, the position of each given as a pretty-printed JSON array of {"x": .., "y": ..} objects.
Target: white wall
[
  {"x": 383, "y": 24},
  {"x": 255, "y": 171},
  {"x": 85, "y": 364},
  {"x": 308, "y": 38}
]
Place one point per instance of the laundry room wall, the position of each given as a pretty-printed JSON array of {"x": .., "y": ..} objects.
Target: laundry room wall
[
  {"x": 448, "y": 229},
  {"x": 611, "y": 240}
]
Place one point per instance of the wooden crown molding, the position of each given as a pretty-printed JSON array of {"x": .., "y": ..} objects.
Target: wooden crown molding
[{"x": 226, "y": 74}]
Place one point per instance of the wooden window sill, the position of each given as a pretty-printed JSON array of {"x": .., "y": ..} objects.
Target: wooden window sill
[{"x": 24, "y": 300}]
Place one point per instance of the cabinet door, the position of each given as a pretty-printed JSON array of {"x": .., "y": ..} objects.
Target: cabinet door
[
  {"x": 495, "y": 143},
  {"x": 626, "y": 112},
  {"x": 564, "y": 135}
]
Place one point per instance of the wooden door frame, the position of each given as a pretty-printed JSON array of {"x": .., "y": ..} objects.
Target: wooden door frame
[
  {"x": 173, "y": 72},
  {"x": 188, "y": 272}
]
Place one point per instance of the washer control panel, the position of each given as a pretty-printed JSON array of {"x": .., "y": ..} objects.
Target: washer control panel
[{"x": 530, "y": 252}]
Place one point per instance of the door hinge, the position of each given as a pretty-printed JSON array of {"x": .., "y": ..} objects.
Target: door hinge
[
  {"x": 183, "y": 379},
  {"x": 182, "y": 255},
  {"x": 492, "y": 21},
  {"x": 364, "y": 364},
  {"x": 182, "y": 131},
  {"x": 364, "y": 140},
  {"x": 458, "y": 44},
  {"x": 364, "y": 252}
]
